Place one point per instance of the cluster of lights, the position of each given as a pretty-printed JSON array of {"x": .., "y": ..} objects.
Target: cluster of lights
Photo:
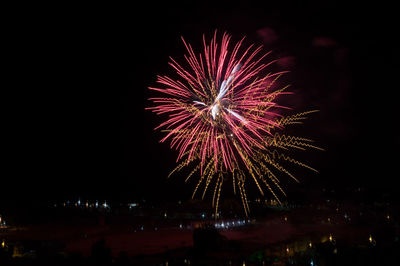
[
  {"x": 141, "y": 228},
  {"x": 79, "y": 204},
  {"x": 331, "y": 239},
  {"x": 270, "y": 202},
  {"x": 289, "y": 251},
  {"x": 231, "y": 224}
]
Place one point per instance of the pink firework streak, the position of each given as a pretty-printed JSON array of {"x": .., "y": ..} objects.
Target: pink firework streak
[{"x": 221, "y": 107}]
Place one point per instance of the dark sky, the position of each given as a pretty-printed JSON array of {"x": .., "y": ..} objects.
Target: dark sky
[{"x": 77, "y": 83}]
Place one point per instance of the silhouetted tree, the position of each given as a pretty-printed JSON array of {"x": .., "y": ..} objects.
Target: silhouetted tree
[
  {"x": 207, "y": 238},
  {"x": 101, "y": 255},
  {"x": 123, "y": 259}
]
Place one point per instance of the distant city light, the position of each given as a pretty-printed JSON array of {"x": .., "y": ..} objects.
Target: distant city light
[
  {"x": 2, "y": 221},
  {"x": 132, "y": 205},
  {"x": 371, "y": 240}
]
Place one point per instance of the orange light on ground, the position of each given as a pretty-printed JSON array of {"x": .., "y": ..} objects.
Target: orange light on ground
[{"x": 371, "y": 240}]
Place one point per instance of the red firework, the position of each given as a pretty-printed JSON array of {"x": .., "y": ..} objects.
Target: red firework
[
  {"x": 221, "y": 106},
  {"x": 221, "y": 112}
]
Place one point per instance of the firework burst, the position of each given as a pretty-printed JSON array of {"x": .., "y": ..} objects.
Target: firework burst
[{"x": 224, "y": 119}]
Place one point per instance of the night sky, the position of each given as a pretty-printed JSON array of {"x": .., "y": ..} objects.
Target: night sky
[{"x": 77, "y": 87}]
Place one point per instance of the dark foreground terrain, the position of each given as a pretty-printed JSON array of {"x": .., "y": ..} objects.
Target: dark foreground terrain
[{"x": 327, "y": 234}]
